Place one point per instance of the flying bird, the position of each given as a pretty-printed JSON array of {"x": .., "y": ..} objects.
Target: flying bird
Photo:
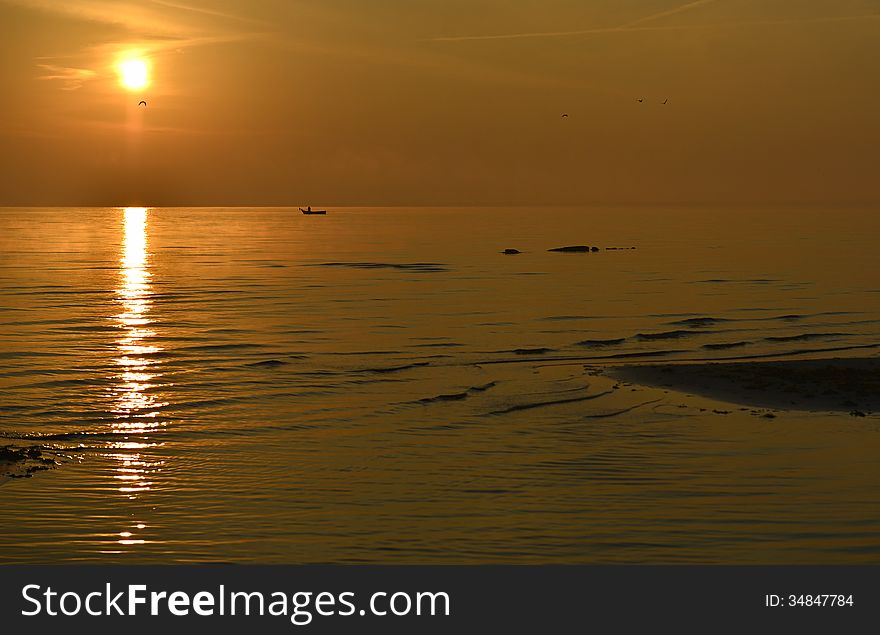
[
  {"x": 666, "y": 102},
  {"x": 565, "y": 114},
  {"x": 142, "y": 103},
  {"x": 640, "y": 99}
]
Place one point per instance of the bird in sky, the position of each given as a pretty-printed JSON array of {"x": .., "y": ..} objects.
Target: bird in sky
[
  {"x": 142, "y": 103},
  {"x": 640, "y": 99},
  {"x": 666, "y": 102},
  {"x": 565, "y": 114}
]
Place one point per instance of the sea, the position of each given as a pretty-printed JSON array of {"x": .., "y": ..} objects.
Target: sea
[{"x": 385, "y": 385}]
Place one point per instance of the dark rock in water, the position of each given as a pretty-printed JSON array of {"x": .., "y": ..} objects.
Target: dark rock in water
[
  {"x": 23, "y": 462},
  {"x": 594, "y": 249},
  {"x": 510, "y": 252},
  {"x": 572, "y": 249},
  {"x": 12, "y": 455},
  {"x": 857, "y": 413}
]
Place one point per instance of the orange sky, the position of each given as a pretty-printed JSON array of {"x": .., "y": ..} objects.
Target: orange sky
[{"x": 334, "y": 102}]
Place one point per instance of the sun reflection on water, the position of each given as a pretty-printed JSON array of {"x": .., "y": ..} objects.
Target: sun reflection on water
[{"x": 137, "y": 406}]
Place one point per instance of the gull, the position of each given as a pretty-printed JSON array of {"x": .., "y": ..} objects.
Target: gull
[{"x": 142, "y": 103}]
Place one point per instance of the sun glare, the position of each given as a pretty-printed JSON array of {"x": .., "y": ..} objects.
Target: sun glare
[{"x": 134, "y": 73}]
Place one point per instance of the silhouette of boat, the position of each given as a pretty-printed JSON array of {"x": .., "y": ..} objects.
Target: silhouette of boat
[{"x": 313, "y": 211}]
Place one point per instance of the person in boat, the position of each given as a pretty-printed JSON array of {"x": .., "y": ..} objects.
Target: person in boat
[{"x": 309, "y": 208}]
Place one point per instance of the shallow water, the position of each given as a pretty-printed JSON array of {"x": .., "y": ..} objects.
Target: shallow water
[{"x": 381, "y": 385}]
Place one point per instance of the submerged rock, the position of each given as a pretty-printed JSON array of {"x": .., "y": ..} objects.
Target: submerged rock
[
  {"x": 23, "y": 462},
  {"x": 572, "y": 249}
]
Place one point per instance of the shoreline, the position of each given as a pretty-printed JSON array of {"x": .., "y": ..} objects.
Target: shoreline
[{"x": 841, "y": 385}]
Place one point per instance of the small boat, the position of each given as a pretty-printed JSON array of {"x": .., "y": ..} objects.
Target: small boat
[{"x": 312, "y": 211}]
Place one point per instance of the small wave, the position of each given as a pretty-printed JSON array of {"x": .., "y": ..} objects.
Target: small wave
[
  {"x": 394, "y": 369},
  {"x": 437, "y": 345},
  {"x": 420, "y": 267},
  {"x": 555, "y": 402},
  {"x": 457, "y": 396},
  {"x": 17, "y": 354},
  {"x": 644, "y": 354},
  {"x": 699, "y": 321},
  {"x": 221, "y": 347},
  {"x": 63, "y": 383},
  {"x": 358, "y": 353},
  {"x": 733, "y": 281},
  {"x": 725, "y": 345},
  {"x": 803, "y": 337},
  {"x": 87, "y": 329},
  {"x": 269, "y": 363},
  {"x": 484, "y": 387},
  {"x": 66, "y": 436},
  {"x": 614, "y": 413},
  {"x": 665, "y": 335},
  {"x": 564, "y": 318},
  {"x": 600, "y": 343}
]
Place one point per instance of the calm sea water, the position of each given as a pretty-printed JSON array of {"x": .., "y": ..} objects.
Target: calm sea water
[{"x": 383, "y": 385}]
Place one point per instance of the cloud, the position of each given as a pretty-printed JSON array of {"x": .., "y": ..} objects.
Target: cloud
[
  {"x": 152, "y": 27},
  {"x": 133, "y": 16},
  {"x": 154, "y": 17},
  {"x": 203, "y": 11},
  {"x": 628, "y": 26},
  {"x": 668, "y": 12},
  {"x": 70, "y": 78},
  {"x": 635, "y": 27}
]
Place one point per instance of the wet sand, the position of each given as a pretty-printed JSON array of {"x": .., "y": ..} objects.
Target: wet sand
[{"x": 848, "y": 385}]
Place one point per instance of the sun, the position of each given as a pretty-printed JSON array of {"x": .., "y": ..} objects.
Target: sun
[{"x": 134, "y": 73}]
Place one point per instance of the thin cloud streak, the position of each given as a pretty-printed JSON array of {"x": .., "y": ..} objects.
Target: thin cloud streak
[
  {"x": 159, "y": 17},
  {"x": 671, "y": 27},
  {"x": 133, "y": 17},
  {"x": 74, "y": 77},
  {"x": 614, "y": 29},
  {"x": 156, "y": 28},
  {"x": 668, "y": 12},
  {"x": 201, "y": 10},
  {"x": 70, "y": 77}
]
